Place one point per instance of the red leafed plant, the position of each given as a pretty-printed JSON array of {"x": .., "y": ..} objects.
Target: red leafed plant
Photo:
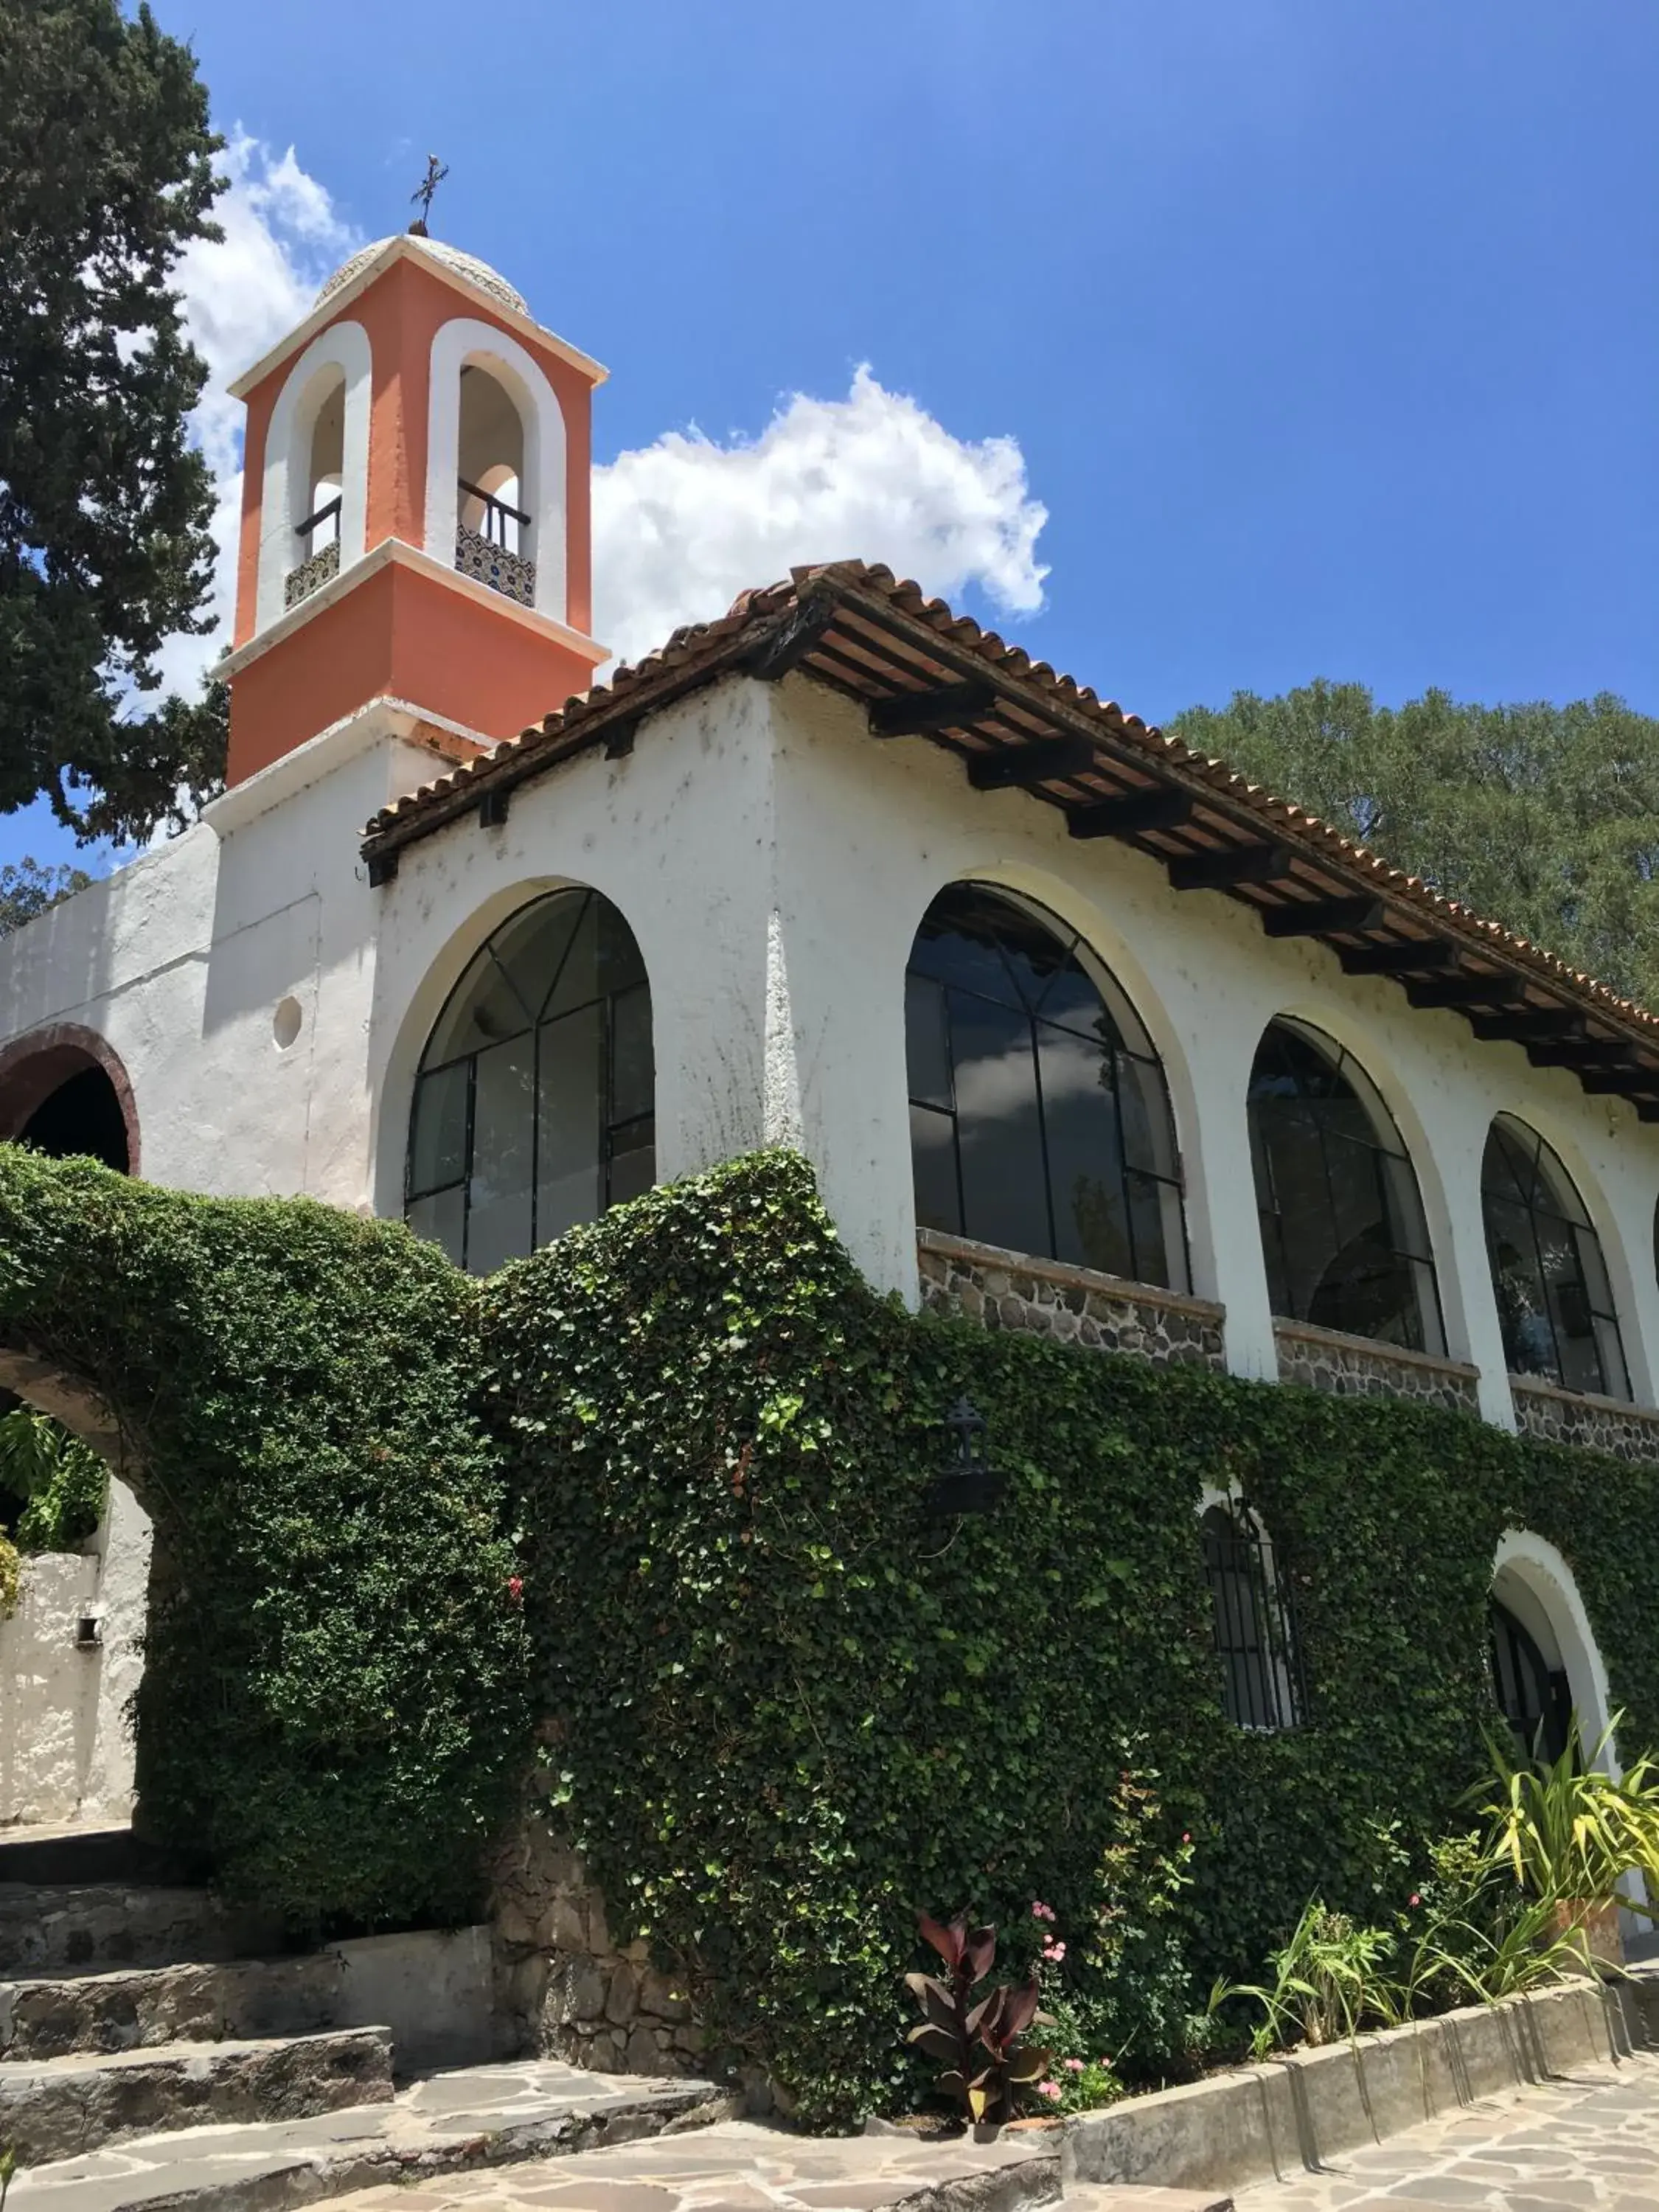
[{"x": 984, "y": 2060}]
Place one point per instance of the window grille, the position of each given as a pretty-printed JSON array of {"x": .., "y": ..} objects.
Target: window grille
[
  {"x": 1039, "y": 1118},
  {"x": 1554, "y": 1302},
  {"x": 1262, "y": 1683},
  {"x": 1342, "y": 1226}
]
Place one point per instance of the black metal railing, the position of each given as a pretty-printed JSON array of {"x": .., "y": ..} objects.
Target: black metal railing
[
  {"x": 497, "y": 514},
  {"x": 1262, "y": 1682},
  {"x": 306, "y": 530}
]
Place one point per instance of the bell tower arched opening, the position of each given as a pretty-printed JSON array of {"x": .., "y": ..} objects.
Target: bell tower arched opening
[{"x": 495, "y": 533}]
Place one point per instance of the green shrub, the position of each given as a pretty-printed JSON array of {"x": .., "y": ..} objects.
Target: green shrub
[
  {"x": 334, "y": 1697},
  {"x": 58, "y": 1484}
]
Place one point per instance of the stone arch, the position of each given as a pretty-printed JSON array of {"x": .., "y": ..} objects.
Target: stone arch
[
  {"x": 338, "y": 360},
  {"x": 33, "y": 1067},
  {"x": 464, "y": 341}
]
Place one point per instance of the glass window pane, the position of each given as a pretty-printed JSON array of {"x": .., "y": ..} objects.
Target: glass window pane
[
  {"x": 578, "y": 982},
  {"x": 633, "y": 1160},
  {"x": 1004, "y": 1190},
  {"x": 933, "y": 1157},
  {"x": 570, "y": 1183},
  {"x": 1086, "y": 1176},
  {"x": 633, "y": 1069},
  {"x": 927, "y": 1041},
  {"x": 442, "y": 1220},
  {"x": 1157, "y": 1255},
  {"x": 483, "y": 1010},
  {"x": 533, "y": 945},
  {"x": 437, "y": 1144},
  {"x": 958, "y": 944},
  {"x": 503, "y": 1137},
  {"x": 620, "y": 966}
]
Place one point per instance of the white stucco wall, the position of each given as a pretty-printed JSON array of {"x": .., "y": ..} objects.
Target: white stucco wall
[
  {"x": 774, "y": 862},
  {"x": 65, "y": 1749}
]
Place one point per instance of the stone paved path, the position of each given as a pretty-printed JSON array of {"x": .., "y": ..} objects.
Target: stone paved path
[
  {"x": 739, "y": 2166},
  {"x": 1586, "y": 2142}
]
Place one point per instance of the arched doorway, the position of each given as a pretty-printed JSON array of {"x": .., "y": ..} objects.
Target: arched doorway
[
  {"x": 64, "y": 1091},
  {"x": 1545, "y": 1663},
  {"x": 72, "y": 1655},
  {"x": 1528, "y": 1679}
]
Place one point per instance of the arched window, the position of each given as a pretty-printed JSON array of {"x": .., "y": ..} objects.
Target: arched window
[
  {"x": 1254, "y": 1620},
  {"x": 1039, "y": 1120},
  {"x": 1342, "y": 1224},
  {"x": 534, "y": 1103},
  {"x": 1530, "y": 1687},
  {"x": 1554, "y": 1302}
]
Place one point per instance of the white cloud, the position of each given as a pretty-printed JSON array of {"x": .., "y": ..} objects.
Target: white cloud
[
  {"x": 282, "y": 238},
  {"x": 681, "y": 526}
]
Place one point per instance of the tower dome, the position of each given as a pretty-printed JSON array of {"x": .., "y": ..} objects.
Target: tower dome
[{"x": 465, "y": 264}]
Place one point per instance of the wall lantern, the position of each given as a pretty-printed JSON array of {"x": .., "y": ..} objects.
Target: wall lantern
[{"x": 969, "y": 1483}]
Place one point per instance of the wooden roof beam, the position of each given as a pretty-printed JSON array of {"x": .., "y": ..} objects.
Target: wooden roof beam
[
  {"x": 1232, "y": 864},
  {"x": 1584, "y": 1052},
  {"x": 1526, "y": 1024},
  {"x": 918, "y": 714},
  {"x": 1410, "y": 959},
  {"x": 1313, "y": 917},
  {"x": 1611, "y": 1083},
  {"x": 1136, "y": 812},
  {"x": 1465, "y": 990},
  {"x": 1017, "y": 768}
]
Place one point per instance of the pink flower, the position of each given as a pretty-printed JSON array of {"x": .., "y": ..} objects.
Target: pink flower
[
  {"x": 515, "y": 1589},
  {"x": 1051, "y": 2089},
  {"x": 1104, "y": 2064},
  {"x": 1054, "y": 1951},
  {"x": 1043, "y": 1911},
  {"x": 1073, "y": 2065},
  {"x": 1415, "y": 1898},
  {"x": 1186, "y": 1838}
]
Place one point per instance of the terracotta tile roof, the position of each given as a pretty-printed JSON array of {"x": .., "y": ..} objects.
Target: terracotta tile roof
[{"x": 923, "y": 669}]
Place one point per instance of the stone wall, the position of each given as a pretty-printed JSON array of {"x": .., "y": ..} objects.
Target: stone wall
[
  {"x": 563, "y": 1988},
  {"x": 1073, "y": 1305},
  {"x": 1572, "y": 1416},
  {"x": 1355, "y": 1367}
]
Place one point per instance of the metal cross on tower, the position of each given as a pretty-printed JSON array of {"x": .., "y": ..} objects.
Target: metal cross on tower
[{"x": 436, "y": 171}]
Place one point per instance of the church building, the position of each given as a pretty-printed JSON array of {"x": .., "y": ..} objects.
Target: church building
[{"x": 1081, "y": 1033}]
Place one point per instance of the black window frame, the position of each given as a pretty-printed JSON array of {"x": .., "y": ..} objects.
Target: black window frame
[
  {"x": 1391, "y": 1165},
  {"x": 611, "y": 1126},
  {"x": 1255, "y": 1634},
  {"x": 1536, "y": 1166},
  {"x": 1125, "y": 1049}
]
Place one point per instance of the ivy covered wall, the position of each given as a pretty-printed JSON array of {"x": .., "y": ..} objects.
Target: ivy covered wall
[
  {"x": 791, "y": 1707},
  {"x": 333, "y": 1703},
  {"x": 654, "y": 1496}
]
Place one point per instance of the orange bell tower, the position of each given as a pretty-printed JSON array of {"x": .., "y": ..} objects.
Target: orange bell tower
[{"x": 414, "y": 508}]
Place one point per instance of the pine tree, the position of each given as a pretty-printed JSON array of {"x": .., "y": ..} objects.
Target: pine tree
[{"x": 105, "y": 176}]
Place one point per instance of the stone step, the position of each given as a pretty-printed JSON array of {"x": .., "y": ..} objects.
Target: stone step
[
  {"x": 74, "y": 1852},
  {"x": 59, "y": 2108},
  {"x": 93, "y": 1926},
  {"x": 1139, "y": 2197},
  {"x": 471, "y": 2118},
  {"x": 136, "y": 2008}
]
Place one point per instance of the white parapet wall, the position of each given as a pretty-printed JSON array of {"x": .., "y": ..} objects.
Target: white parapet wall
[{"x": 65, "y": 1749}]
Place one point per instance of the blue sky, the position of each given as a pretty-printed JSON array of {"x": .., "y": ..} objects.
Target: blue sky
[{"x": 1327, "y": 330}]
